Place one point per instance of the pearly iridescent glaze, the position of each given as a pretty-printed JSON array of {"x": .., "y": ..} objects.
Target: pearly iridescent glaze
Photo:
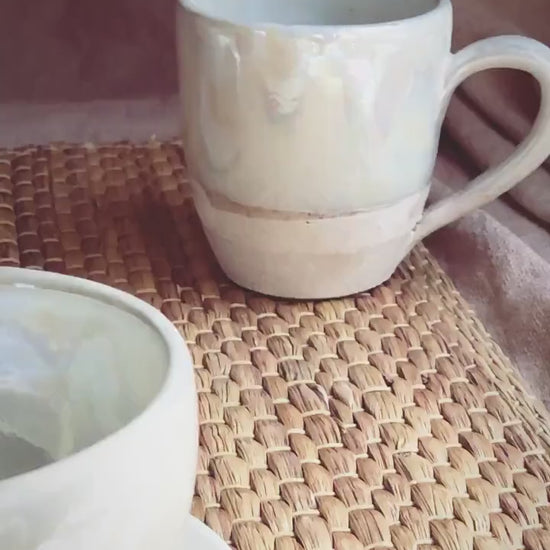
[
  {"x": 320, "y": 120},
  {"x": 303, "y": 109}
]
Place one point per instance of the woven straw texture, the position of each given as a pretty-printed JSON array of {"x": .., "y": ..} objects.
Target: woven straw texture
[{"x": 385, "y": 420}]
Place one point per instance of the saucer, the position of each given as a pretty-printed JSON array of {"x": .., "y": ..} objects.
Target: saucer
[{"x": 198, "y": 535}]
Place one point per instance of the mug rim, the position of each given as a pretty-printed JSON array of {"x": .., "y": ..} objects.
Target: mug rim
[
  {"x": 178, "y": 378},
  {"x": 191, "y": 7}
]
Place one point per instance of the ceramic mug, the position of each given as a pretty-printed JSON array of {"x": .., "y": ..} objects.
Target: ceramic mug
[
  {"x": 123, "y": 475},
  {"x": 311, "y": 130}
]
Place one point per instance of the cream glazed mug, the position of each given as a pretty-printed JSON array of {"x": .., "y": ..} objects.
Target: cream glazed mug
[{"x": 311, "y": 130}]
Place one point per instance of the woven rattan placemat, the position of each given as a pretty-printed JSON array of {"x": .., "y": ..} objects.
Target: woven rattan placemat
[{"x": 385, "y": 420}]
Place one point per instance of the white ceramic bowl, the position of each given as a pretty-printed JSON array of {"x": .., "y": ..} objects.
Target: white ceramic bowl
[{"x": 132, "y": 489}]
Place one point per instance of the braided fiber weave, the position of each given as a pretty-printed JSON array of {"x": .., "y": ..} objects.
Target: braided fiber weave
[{"x": 385, "y": 420}]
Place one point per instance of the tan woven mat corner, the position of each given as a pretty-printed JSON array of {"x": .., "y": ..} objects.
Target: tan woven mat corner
[{"x": 385, "y": 420}]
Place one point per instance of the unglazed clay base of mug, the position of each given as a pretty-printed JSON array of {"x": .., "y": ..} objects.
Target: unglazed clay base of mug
[{"x": 302, "y": 256}]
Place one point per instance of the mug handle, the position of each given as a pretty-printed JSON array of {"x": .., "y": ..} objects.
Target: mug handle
[{"x": 503, "y": 52}]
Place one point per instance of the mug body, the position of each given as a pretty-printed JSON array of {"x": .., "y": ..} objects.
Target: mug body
[
  {"x": 132, "y": 489},
  {"x": 312, "y": 111}
]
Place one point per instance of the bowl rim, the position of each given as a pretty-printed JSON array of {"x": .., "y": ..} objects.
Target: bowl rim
[{"x": 178, "y": 383}]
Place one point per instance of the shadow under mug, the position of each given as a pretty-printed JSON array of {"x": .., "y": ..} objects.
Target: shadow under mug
[
  {"x": 132, "y": 488},
  {"x": 311, "y": 130}
]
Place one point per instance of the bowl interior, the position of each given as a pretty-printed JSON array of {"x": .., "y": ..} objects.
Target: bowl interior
[{"x": 73, "y": 369}]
